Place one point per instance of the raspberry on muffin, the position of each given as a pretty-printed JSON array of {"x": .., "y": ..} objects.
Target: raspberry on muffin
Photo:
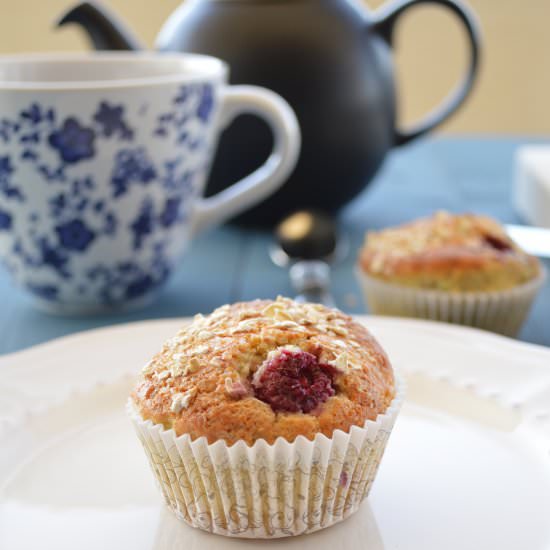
[
  {"x": 266, "y": 369},
  {"x": 293, "y": 380}
]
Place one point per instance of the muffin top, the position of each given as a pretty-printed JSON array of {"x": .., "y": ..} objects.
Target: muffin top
[
  {"x": 266, "y": 369},
  {"x": 448, "y": 252}
]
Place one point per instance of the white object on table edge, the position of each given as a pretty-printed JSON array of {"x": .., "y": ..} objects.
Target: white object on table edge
[{"x": 531, "y": 187}]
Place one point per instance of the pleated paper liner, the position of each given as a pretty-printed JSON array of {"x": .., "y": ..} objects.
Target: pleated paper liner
[
  {"x": 503, "y": 311},
  {"x": 266, "y": 491}
]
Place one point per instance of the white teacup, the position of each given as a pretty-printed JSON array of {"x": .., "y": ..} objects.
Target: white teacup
[{"x": 103, "y": 162}]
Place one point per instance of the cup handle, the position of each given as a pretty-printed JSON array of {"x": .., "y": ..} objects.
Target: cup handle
[
  {"x": 384, "y": 24},
  {"x": 272, "y": 174}
]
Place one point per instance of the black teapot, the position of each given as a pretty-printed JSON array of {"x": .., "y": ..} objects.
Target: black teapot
[{"x": 330, "y": 59}]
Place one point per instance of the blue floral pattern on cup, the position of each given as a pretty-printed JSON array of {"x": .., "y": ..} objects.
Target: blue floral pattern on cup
[
  {"x": 5, "y": 221},
  {"x": 131, "y": 166},
  {"x": 74, "y": 235},
  {"x": 73, "y": 141},
  {"x": 111, "y": 120},
  {"x": 93, "y": 201}
]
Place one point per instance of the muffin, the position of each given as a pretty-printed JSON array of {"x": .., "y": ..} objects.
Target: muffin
[
  {"x": 457, "y": 268},
  {"x": 266, "y": 418}
]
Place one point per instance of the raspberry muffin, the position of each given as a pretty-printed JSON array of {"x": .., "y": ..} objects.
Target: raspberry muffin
[
  {"x": 267, "y": 418},
  {"x": 458, "y": 268}
]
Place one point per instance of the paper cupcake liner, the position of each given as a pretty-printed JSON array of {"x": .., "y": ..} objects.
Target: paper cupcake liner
[
  {"x": 503, "y": 312},
  {"x": 266, "y": 491}
]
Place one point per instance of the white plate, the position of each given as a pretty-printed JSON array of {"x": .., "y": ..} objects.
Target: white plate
[{"x": 467, "y": 467}]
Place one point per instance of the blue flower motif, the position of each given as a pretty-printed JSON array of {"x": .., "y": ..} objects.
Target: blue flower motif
[
  {"x": 36, "y": 114},
  {"x": 6, "y": 188},
  {"x": 183, "y": 136},
  {"x": 110, "y": 118},
  {"x": 192, "y": 101},
  {"x": 81, "y": 205},
  {"x": 183, "y": 95},
  {"x": 73, "y": 141},
  {"x": 33, "y": 137},
  {"x": 48, "y": 292},
  {"x": 176, "y": 180},
  {"x": 5, "y": 221},
  {"x": 83, "y": 185},
  {"x": 206, "y": 103},
  {"x": 50, "y": 256},
  {"x": 131, "y": 165},
  {"x": 171, "y": 211},
  {"x": 140, "y": 286},
  {"x": 75, "y": 235},
  {"x": 52, "y": 174},
  {"x": 33, "y": 114},
  {"x": 29, "y": 155},
  {"x": 166, "y": 117},
  {"x": 8, "y": 129},
  {"x": 58, "y": 203},
  {"x": 129, "y": 279},
  {"x": 110, "y": 224},
  {"x": 143, "y": 224},
  {"x": 6, "y": 168}
]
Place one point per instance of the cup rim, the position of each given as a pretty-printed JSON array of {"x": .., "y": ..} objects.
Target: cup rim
[{"x": 200, "y": 67}]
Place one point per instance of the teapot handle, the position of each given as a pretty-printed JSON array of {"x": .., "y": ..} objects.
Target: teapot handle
[{"x": 384, "y": 24}]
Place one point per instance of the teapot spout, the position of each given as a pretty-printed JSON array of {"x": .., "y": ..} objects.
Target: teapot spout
[{"x": 105, "y": 29}]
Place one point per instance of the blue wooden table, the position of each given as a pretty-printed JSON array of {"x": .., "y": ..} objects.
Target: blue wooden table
[{"x": 230, "y": 263}]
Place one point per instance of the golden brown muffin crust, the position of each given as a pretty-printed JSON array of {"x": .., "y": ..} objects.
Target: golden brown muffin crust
[
  {"x": 448, "y": 252},
  {"x": 200, "y": 382}
]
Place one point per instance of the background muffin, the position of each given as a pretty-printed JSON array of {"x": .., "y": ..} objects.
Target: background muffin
[
  {"x": 266, "y": 419},
  {"x": 457, "y": 268},
  {"x": 448, "y": 252}
]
